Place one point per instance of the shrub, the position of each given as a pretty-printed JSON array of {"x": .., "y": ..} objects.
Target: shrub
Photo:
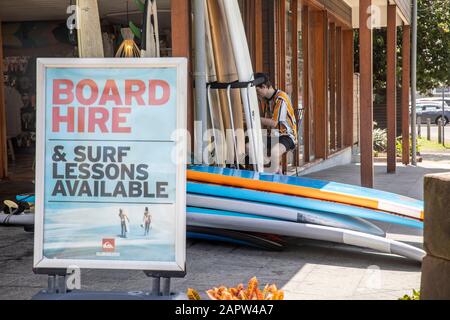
[
  {"x": 380, "y": 140},
  {"x": 415, "y": 296}
]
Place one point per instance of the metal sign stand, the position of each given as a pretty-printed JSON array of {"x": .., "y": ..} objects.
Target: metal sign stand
[{"x": 57, "y": 288}]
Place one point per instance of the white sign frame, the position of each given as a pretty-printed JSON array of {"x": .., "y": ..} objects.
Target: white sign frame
[{"x": 40, "y": 262}]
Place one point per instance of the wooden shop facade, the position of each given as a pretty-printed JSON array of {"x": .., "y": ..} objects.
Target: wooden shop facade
[{"x": 307, "y": 47}]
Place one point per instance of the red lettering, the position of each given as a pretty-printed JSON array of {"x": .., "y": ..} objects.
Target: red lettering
[
  {"x": 100, "y": 121},
  {"x": 93, "y": 95},
  {"x": 110, "y": 93},
  {"x": 118, "y": 118},
  {"x": 153, "y": 85},
  {"x": 136, "y": 94},
  {"x": 62, "y": 87},
  {"x": 69, "y": 119},
  {"x": 81, "y": 119}
]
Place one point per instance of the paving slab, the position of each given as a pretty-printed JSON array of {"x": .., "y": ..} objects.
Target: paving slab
[{"x": 306, "y": 269}]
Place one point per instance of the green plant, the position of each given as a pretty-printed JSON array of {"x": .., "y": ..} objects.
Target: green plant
[
  {"x": 414, "y": 297},
  {"x": 380, "y": 140},
  {"x": 434, "y": 48},
  {"x": 135, "y": 29},
  {"x": 399, "y": 146}
]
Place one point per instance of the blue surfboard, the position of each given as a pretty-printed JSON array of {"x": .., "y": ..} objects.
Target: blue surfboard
[
  {"x": 315, "y": 184},
  {"x": 301, "y": 203},
  {"x": 234, "y": 237}
]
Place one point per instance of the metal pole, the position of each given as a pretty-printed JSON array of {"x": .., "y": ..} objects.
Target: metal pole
[
  {"x": 419, "y": 127},
  {"x": 200, "y": 74},
  {"x": 156, "y": 287},
  {"x": 51, "y": 284},
  {"x": 414, "y": 82},
  {"x": 166, "y": 287},
  {"x": 444, "y": 121},
  {"x": 440, "y": 131}
]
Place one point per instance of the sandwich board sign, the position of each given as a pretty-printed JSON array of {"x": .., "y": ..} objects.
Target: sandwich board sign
[{"x": 110, "y": 166}]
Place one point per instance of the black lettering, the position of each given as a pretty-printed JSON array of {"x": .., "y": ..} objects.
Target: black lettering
[
  {"x": 98, "y": 172},
  {"x": 120, "y": 190},
  {"x": 97, "y": 156},
  {"x": 85, "y": 190},
  {"x": 84, "y": 171},
  {"x": 127, "y": 171},
  {"x": 109, "y": 154},
  {"x": 59, "y": 189},
  {"x": 72, "y": 189},
  {"x": 103, "y": 192},
  {"x": 112, "y": 172},
  {"x": 161, "y": 191},
  {"x": 70, "y": 171},
  {"x": 122, "y": 153},
  {"x": 142, "y": 171},
  {"x": 80, "y": 156},
  {"x": 135, "y": 190},
  {"x": 55, "y": 172}
]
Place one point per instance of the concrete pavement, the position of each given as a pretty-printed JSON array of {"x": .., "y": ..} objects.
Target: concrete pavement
[{"x": 305, "y": 269}]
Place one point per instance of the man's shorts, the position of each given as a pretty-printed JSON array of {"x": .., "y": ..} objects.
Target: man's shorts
[
  {"x": 287, "y": 142},
  {"x": 284, "y": 140}
]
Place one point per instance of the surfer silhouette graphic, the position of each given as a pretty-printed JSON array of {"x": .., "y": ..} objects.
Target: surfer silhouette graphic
[
  {"x": 147, "y": 222},
  {"x": 124, "y": 223}
]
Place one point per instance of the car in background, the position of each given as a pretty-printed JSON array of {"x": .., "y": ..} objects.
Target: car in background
[
  {"x": 435, "y": 99},
  {"x": 432, "y": 110}
]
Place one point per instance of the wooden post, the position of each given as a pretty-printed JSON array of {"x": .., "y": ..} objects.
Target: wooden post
[
  {"x": 3, "y": 148},
  {"x": 339, "y": 92},
  {"x": 319, "y": 25},
  {"x": 391, "y": 88},
  {"x": 295, "y": 98},
  {"x": 406, "y": 81},
  {"x": 306, "y": 82},
  {"x": 347, "y": 86},
  {"x": 366, "y": 104},
  {"x": 429, "y": 129},
  {"x": 332, "y": 79},
  {"x": 181, "y": 47},
  {"x": 281, "y": 44},
  {"x": 259, "y": 62}
]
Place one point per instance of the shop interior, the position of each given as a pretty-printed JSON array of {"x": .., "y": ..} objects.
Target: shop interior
[{"x": 30, "y": 31}]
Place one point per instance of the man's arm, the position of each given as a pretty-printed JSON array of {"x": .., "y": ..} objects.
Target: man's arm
[{"x": 266, "y": 122}]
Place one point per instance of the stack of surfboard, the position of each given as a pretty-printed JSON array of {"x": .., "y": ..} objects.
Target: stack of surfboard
[
  {"x": 229, "y": 61},
  {"x": 247, "y": 201}
]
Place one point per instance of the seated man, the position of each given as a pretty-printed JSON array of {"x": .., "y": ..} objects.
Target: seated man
[{"x": 278, "y": 114}]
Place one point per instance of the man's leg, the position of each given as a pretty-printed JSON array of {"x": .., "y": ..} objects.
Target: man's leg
[{"x": 277, "y": 153}]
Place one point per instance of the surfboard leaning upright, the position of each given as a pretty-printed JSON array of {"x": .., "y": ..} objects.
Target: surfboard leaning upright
[
  {"x": 90, "y": 40},
  {"x": 215, "y": 111},
  {"x": 245, "y": 73},
  {"x": 232, "y": 110},
  {"x": 149, "y": 45}
]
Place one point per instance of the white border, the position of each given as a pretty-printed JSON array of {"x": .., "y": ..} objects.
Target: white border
[{"x": 180, "y": 244}]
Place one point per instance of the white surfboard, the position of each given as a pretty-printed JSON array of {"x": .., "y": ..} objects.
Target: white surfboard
[
  {"x": 245, "y": 72},
  {"x": 150, "y": 36},
  {"x": 156, "y": 28},
  {"x": 225, "y": 220},
  {"x": 285, "y": 213}
]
